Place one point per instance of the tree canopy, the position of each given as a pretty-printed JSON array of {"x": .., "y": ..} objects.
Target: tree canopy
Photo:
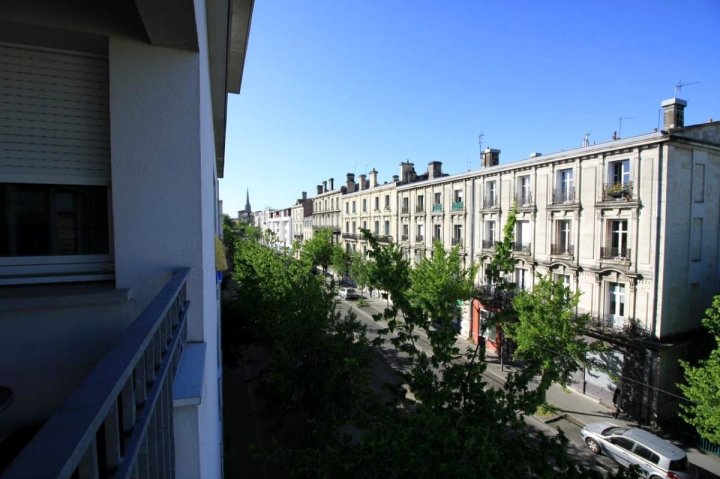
[
  {"x": 319, "y": 388},
  {"x": 703, "y": 383}
]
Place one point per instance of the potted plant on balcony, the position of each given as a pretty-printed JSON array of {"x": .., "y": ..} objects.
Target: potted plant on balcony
[{"x": 618, "y": 190}]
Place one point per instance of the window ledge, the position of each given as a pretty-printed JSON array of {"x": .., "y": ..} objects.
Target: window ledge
[
  {"x": 189, "y": 379},
  {"x": 62, "y": 295}
]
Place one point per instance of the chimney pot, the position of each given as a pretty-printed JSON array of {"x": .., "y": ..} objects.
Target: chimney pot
[
  {"x": 362, "y": 182},
  {"x": 332, "y": 183},
  {"x": 319, "y": 189},
  {"x": 673, "y": 113},
  {"x": 324, "y": 186},
  {"x": 350, "y": 184},
  {"x": 373, "y": 178},
  {"x": 396, "y": 178},
  {"x": 434, "y": 169},
  {"x": 491, "y": 157},
  {"x": 304, "y": 195}
]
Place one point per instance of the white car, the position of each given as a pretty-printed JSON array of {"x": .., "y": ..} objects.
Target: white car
[
  {"x": 348, "y": 293},
  {"x": 657, "y": 458}
]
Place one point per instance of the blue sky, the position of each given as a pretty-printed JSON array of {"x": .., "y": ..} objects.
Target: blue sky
[{"x": 344, "y": 86}]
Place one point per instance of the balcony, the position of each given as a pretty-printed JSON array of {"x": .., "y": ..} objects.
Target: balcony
[
  {"x": 522, "y": 247},
  {"x": 562, "y": 250},
  {"x": 403, "y": 237},
  {"x": 615, "y": 253},
  {"x": 618, "y": 191},
  {"x": 525, "y": 199},
  {"x": 405, "y": 210},
  {"x": 349, "y": 236},
  {"x": 385, "y": 239},
  {"x": 488, "y": 244},
  {"x": 618, "y": 325},
  {"x": 490, "y": 202},
  {"x": 420, "y": 209},
  {"x": 419, "y": 239},
  {"x": 437, "y": 208},
  {"x": 458, "y": 206},
  {"x": 457, "y": 241},
  {"x": 119, "y": 422},
  {"x": 563, "y": 196}
]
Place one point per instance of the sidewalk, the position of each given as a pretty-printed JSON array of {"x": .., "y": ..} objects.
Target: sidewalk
[{"x": 574, "y": 406}]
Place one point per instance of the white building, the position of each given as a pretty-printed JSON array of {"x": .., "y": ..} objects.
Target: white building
[
  {"x": 633, "y": 224},
  {"x": 112, "y": 127}
]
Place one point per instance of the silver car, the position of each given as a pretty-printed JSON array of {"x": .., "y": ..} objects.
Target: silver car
[
  {"x": 348, "y": 293},
  {"x": 630, "y": 445}
]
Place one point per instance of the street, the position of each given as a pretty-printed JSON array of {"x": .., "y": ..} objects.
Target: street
[{"x": 550, "y": 425}]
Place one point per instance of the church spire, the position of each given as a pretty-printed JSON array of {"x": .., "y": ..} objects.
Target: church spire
[{"x": 248, "y": 209}]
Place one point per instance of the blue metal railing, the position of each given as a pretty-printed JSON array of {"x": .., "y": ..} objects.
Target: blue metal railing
[{"x": 119, "y": 422}]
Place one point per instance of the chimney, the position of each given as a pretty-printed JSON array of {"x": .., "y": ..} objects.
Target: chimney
[
  {"x": 373, "y": 178},
  {"x": 332, "y": 183},
  {"x": 673, "y": 113},
  {"x": 491, "y": 157},
  {"x": 304, "y": 195},
  {"x": 350, "y": 182},
  {"x": 319, "y": 190},
  {"x": 362, "y": 182},
  {"x": 535, "y": 154},
  {"x": 407, "y": 172},
  {"x": 434, "y": 169},
  {"x": 396, "y": 178},
  {"x": 324, "y": 186}
]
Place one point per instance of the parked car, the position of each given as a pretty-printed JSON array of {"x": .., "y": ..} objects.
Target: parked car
[
  {"x": 630, "y": 445},
  {"x": 348, "y": 293}
]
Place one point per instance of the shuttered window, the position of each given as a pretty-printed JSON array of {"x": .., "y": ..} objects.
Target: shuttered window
[{"x": 54, "y": 165}]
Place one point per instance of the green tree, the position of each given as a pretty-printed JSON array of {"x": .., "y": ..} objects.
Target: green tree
[
  {"x": 437, "y": 285},
  {"x": 361, "y": 269},
  {"x": 318, "y": 251},
  {"x": 548, "y": 335},
  {"x": 314, "y": 377},
  {"x": 317, "y": 390},
  {"x": 703, "y": 383}
]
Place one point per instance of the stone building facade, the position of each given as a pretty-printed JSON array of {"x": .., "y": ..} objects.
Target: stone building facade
[{"x": 632, "y": 224}]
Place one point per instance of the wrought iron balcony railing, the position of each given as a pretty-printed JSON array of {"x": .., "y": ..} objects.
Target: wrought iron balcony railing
[
  {"x": 119, "y": 422},
  {"x": 457, "y": 241},
  {"x": 563, "y": 196},
  {"x": 350, "y": 236},
  {"x": 404, "y": 237},
  {"x": 385, "y": 239},
  {"x": 458, "y": 206},
  {"x": 490, "y": 202},
  {"x": 522, "y": 247},
  {"x": 488, "y": 244},
  {"x": 420, "y": 209},
  {"x": 437, "y": 208},
  {"x": 618, "y": 191},
  {"x": 562, "y": 249},
  {"x": 405, "y": 210},
  {"x": 614, "y": 253},
  {"x": 419, "y": 239},
  {"x": 524, "y": 199},
  {"x": 618, "y": 325}
]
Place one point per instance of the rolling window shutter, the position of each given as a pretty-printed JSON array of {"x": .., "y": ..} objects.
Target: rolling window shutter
[{"x": 54, "y": 111}]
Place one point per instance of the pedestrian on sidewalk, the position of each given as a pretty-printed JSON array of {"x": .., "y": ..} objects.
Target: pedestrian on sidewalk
[{"x": 617, "y": 401}]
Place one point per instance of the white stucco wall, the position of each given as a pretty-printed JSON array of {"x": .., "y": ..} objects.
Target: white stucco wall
[{"x": 164, "y": 200}]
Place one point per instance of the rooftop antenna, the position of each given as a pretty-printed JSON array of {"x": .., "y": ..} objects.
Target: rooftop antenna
[
  {"x": 620, "y": 123},
  {"x": 481, "y": 137},
  {"x": 586, "y": 139},
  {"x": 680, "y": 84},
  {"x": 468, "y": 165}
]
